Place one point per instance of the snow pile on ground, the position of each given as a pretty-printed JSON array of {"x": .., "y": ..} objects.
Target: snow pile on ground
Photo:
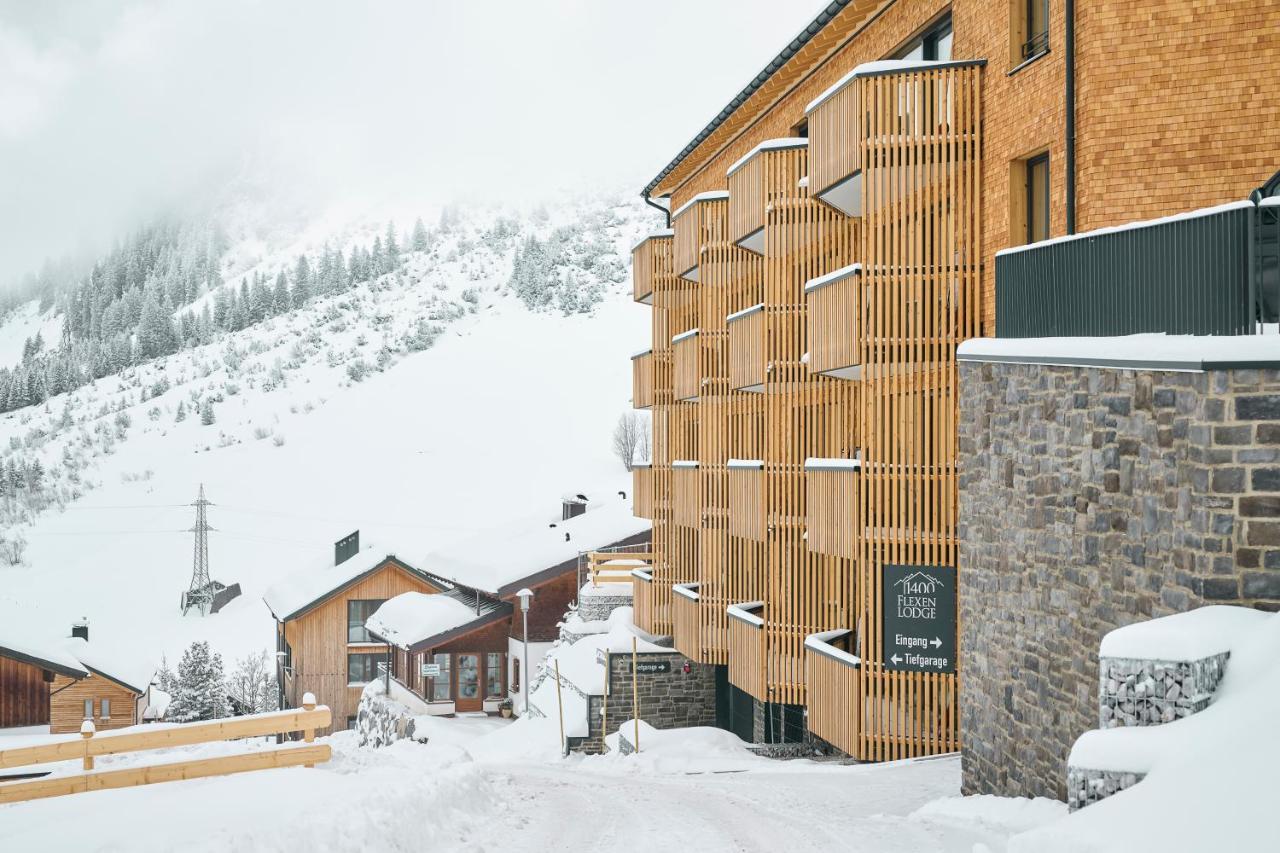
[
  {"x": 1195, "y": 634},
  {"x": 1211, "y": 776},
  {"x": 700, "y": 749}
]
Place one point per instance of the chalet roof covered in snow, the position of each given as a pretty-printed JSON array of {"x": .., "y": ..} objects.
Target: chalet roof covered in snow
[
  {"x": 127, "y": 671},
  {"x": 307, "y": 587},
  {"x": 498, "y": 561},
  {"x": 417, "y": 620},
  {"x": 18, "y": 645}
]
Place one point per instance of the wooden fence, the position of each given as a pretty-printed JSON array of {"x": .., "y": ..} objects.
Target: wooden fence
[{"x": 87, "y": 747}]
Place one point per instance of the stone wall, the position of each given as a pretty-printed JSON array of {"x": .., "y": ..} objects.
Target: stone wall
[
  {"x": 668, "y": 700},
  {"x": 1091, "y": 498}
]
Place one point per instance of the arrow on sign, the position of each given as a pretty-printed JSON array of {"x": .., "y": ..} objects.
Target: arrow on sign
[
  {"x": 935, "y": 642},
  {"x": 896, "y": 660}
]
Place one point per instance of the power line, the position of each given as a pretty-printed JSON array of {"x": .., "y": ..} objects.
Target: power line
[
  {"x": 329, "y": 520},
  {"x": 129, "y": 506}
]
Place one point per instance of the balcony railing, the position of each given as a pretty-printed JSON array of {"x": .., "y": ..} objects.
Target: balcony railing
[
  {"x": 650, "y": 258},
  {"x": 642, "y": 378},
  {"x": 686, "y": 354},
  {"x": 926, "y": 102},
  {"x": 686, "y": 489},
  {"x": 697, "y": 223},
  {"x": 747, "y": 364},
  {"x": 832, "y": 318},
  {"x": 831, "y": 673},
  {"x": 746, "y": 498},
  {"x": 686, "y": 630},
  {"x": 1197, "y": 273},
  {"x": 747, "y": 648},
  {"x": 642, "y": 600},
  {"x": 831, "y": 499},
  {"x": 767, "y": 177},
  {"x": 642, "y": 505}
]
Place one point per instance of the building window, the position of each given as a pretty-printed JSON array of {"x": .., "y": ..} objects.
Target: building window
[
  {"x": 88, "y": 709},
  {"x": 1035, "y": 31},
  {"x": 1038, "y": 198},
  {"x": 358, "y": 612},
  {"x": 493, "y": 675},
  {"x": 933, "y": 44},
  {"x": 438, "y": 687},
  {"x": 801, "y": 130},
  {"x": 106, "y": 709},
  {"x": 362, "y": 668},
  {"x": 351, "y": 722},
  {"x": 515, "y": 675}
]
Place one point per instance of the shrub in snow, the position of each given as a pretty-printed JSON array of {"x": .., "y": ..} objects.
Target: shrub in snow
[
  {"x": 206, "y": 412},
  {"x": 252, "y": 687},
  {"x": 200, "y": 692},
  {"x": 358, "y": 370}
]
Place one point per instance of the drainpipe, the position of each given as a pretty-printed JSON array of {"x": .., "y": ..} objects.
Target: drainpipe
[
  {"x": 656, "y": 206},
  {"x": 1070, "y": 33}
]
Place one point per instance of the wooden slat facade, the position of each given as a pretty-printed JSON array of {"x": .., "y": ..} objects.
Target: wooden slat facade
[
  {"x": 861, "y": 367},
  {"x": 67, "y": 698},
  {"x": 642, "y": 504}
]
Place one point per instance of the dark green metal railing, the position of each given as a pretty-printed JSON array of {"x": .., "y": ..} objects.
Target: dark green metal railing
[{"x": 1212, "y": 273}]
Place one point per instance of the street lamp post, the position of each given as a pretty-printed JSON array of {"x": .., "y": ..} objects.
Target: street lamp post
[{"x": 524, "y": 595}]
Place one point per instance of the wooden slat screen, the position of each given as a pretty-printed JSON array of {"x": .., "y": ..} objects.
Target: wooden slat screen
[
  {"x": 832, "y": 315},
  {"x": 642, "y": 505},
  {"x": 746, "y": 351},
  {"x": 747, "y": 658},
  {"x": 642, "y": 379}
]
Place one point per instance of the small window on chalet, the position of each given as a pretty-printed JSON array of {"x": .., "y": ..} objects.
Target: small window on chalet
[
  {"x": 1038, "y": 198},
  {"x": 106, "y": 709},
  {"x": 88, "y": 709},
  {"x": 358, "y": 611},
  {"x": 362, "y": 668},
  {"x": 515, "y": 675},
  {"x": 801, "y": 130},
  {"x": 438, "y": 688},
  {"x": 933, "y": 44}
]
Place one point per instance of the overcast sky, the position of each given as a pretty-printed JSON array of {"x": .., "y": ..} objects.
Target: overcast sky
[{"x": 111, "y": 109}]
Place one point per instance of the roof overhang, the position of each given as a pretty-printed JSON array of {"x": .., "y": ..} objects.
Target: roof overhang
[
  {"x": 439, "y": 583},
  {"x": 33, "y": 660}
]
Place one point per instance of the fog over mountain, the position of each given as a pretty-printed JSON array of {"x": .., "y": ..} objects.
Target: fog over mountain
[{"x": 112, "y": 110}]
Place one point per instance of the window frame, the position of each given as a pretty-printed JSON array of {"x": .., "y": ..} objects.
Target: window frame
[
  {"x": 374, "y": 657},
  {"x": 104, "y": 709},
  {"x": 1034, "y": 44},
  {"x": 1030, "y": 167},
  {"x": 88, "y": 709},
  {"x": 366, "y": 637},
  {"x": 494, "y": 676},
  {"x": 445, "y": 679},
  {"x": 928, "y": 40}
]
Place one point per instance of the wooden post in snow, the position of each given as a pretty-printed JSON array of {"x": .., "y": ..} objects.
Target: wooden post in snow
[
  {"x": 635, "y": 693},
  {"x": 308, "y": 704},
  {"x": 87, "y": 730},
  {"x": 564, "y": 745}
]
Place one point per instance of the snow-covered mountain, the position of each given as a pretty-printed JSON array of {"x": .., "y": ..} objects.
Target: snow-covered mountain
[{"x": 473, "y": 382}]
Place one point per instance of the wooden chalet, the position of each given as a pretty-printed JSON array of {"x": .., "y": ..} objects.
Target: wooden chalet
[
  {"x": 320, "y": 612},
  {"x": 27, "y": 670},
  {"x": 114, "y": 693}
]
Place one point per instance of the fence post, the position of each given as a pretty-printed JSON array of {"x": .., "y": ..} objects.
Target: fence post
[
  {"x": 635, "y": 694},
  {"x": 87, "y": 730},
  {"x": 564, "y": 745},
  {"x": 308, "y": 704}
]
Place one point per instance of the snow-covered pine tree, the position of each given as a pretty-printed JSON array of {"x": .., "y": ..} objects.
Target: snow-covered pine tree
[
  {"x": 200, "y": 692},
  {"x": 302, "y": 291},
  {"x": 391, "y": 249},
  {"x": 419, "y": 241},
  {"x": 206, "y": 412},
  {"x": 280, "y": 297}
]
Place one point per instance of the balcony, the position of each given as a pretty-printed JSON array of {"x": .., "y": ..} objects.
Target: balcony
[
  {"x": 686, "y": 631},
  {"x": 650, "y": 260},
  {"x": 747, "y": 648},
  {"x": 831, "y": 673},
  {"x": 642, "y": 485},
  {"x": 686, "y": 357},
  {"x": 767, "y": 179},
  {"x": 831, "y": 501},
  {"x": 686, "y": 490},
  {"x": 642, "y": 380},
  {"x": 698, "y": 224},
  {"x": 832, "y": 322},
  {"x": 748, "y": 368},
  {"x": 926, "y": 106},
  {"x": 642, "y": 600},
  {"x": 746, "y": 498}
]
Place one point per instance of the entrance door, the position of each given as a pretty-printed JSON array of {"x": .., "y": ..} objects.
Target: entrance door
[{"x": 468, "y": 695}]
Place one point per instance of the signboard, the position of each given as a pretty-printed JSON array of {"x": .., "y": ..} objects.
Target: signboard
[
  {"x": 919, "y": 606},
  {"x": 651, "y": 667},
  {"x": 431, "y": 670}
]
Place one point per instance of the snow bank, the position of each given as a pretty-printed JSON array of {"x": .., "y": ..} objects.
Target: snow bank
[
  {"x": 1211, "y": 777},
  {"x": 414, "y": 616},
  {"x": 1195, "y": 634},
  {"x": 1172, "y": 352}
]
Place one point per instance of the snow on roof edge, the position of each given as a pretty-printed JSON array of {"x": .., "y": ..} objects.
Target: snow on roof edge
[
  {"x": 768, "y": 145},
  {"x": 713, "y": 195},
  {"x": 1129, "y": 226}
]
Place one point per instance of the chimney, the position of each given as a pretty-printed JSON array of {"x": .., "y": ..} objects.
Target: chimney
[
  {"x": 346, "y": 548},
  {"x": 572, "y": 506},
  {"x": 80, "y": 629}
]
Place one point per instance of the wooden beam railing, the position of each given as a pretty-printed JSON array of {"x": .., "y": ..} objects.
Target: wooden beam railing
[
  {"x": 89, "y": 745},
  {"x": 616, "y": 566},
  {"x": 642, "y": 599},
  {"x": 644, "y": 266},
  {"x": 831, "y": 673},
  {"x": 686, "y": 628}
]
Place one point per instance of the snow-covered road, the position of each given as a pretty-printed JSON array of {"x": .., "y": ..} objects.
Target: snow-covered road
[{"x": 480, "y": 787}]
